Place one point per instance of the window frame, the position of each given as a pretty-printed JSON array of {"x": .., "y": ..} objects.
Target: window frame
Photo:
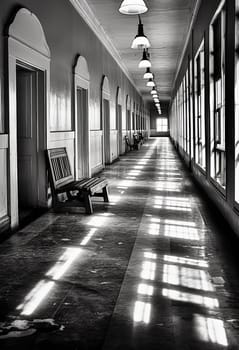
[{"x": 217, "y": 103}]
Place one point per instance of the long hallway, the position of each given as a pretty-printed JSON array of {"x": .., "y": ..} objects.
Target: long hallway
[{"x": 152, "y": 269}]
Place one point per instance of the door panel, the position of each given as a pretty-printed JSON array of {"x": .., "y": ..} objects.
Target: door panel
[
  {"x": 119, "y": 126},
  {"x": 80, "y": 133},
  {"x": 27, "y": 138},
  {"x": 106, "y": 116}
]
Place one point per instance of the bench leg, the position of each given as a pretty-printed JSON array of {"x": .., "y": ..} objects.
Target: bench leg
[
  {"x": 54, "y": 200},
  {"x": 69, "y": 196},
  {"x": 105, "y": 194},
  {"x": 87, "y": 202}
]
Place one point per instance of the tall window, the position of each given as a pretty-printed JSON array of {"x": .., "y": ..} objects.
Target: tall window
[
  {"x": 184, "y": 114},
  {"x": 191, "y": 107},
  {"x": 237, "y": 105},
  {"x": 162, "y": 124},
  {"x": 217, "y": 98},
  {"x": 187, "y": 111},
  {"x": 177, "y": 131},
  {"x": 181, "y": 115},
  {"x": 200, "y": 154}
]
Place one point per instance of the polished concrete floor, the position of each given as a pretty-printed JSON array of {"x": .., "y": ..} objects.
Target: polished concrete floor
[{"x": 156, "y": 268}]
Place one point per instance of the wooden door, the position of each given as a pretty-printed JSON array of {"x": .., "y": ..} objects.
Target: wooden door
[
  {"x": 119, "y": 127},
  {"x": 128, "y": 122},
  {"x": 106, "y": 116},
  {"x": 27, "y": 138}
]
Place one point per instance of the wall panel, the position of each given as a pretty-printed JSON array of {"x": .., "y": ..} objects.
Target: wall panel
[
  {"x": 114, "y": 144},
  {"x": 3, "y": 176},
  {"x": 96, "y": 147}
]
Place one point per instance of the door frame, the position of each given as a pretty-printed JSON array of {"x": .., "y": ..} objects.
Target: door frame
[
  {"x": 105, "y": 95},
  {"x": 119, "y": 120},
  {"x": 128, "y": 115},
  {"x": 26, "y": 45},
  {"x": 82, "y": 80},
  {"x": 37, "y": 92}
]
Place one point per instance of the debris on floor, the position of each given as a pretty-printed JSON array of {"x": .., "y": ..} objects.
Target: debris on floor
[
  {"x": 23, "y": 328},
  {"x": 218, "y": 281}
]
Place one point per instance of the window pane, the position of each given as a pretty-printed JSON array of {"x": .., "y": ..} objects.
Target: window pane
[
  {"x": 237, "y": 105},
  {"x": 217, "y": 99},
  {"x": 162, "y": 124},
  {"x": 200, "y": 137},
  {"x": 217, "y": 47}
]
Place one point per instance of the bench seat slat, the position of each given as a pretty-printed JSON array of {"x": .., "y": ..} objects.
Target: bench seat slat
[
  {"x": 97, "y": 188},
  {"x": 91, "y": 183},
  {"x": 86, "y": 184},
  {"x": 83, "y": 182}
]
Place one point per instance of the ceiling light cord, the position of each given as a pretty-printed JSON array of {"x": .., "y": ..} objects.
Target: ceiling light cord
[{"x": 137, "y": 7}]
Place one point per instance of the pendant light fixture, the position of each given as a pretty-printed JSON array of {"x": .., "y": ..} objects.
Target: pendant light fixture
[
  {"x": 153, "y": 91},
  {"x": 145, "y": 62},
  {"x": 150, "y": 83},
  {"x": 148, "y": 74},
  {"x": 133, "y": 7},
  {"x": 140, "y": 41}
]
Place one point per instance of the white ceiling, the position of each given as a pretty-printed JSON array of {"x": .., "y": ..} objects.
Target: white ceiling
[{"x": 166, "y": 25}]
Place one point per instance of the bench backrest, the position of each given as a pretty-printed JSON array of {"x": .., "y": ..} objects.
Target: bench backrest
[
  {"x": 127, "y": 140},
  {"x": 59, "y": 166}
]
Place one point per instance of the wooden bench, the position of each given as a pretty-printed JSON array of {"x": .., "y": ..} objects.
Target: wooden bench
[
  {"x": 137, "y": 142},
  {"x": 62, "y": 181},
  {"x": 128, "y": 144},
  {"x": 141, "y": 137}
]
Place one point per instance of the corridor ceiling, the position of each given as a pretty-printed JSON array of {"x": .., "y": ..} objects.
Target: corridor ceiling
[{"x": 166, "y": 24}]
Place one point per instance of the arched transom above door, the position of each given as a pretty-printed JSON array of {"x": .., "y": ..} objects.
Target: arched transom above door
[
  {"x": 82, "y": 72},
  {"x": 128, "y": 103},
  {"x": 105, "y": 88},
  {"x": 27, "y": 29},
  {"x": 119, "y": 96}
]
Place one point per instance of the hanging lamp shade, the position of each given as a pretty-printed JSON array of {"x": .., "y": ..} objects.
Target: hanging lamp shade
[
  {"x": 153, "y": 91},
  {"x": 140, "y": 41},
  {"x": 150, "y": 83},
  {"x": 145, "y": 62},
  {"x": 148, "y": 74},
  {"x": 133, "y": 7}
]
